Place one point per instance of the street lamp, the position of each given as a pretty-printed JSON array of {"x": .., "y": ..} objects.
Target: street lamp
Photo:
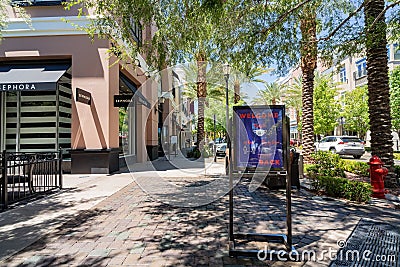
[{"x": 226, "y": 70}]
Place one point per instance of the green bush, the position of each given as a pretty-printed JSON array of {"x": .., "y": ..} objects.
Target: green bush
[
  {"x": 326, "y": 164},
  {"x": 343, "y": 188},
  {"x": 196, "y": 153},
  {"x": 356, "y": 167},
  {"x": 368, "y": 148},
  {"x": 358, "y": 191}
]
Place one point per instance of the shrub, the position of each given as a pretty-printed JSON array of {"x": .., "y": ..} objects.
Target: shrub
[
  {"x": 356, "y": 167},
  {"x": 196, "y": 153},
  {"x": 327, "y": 164},
  {"x": 343, "y": 188},
  {"x": 189, "y": 154},
  {"x": 358, "y": 191},
  {"x": 368, "y": 148}
]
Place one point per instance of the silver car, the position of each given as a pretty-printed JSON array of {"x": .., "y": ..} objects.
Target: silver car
[{"x": 342, "y": 145}]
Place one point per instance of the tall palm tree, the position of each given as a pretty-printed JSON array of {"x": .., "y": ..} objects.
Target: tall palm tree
[
  {"x": 294, "y": 100},
  {"x": 272, "y": 94},
  {"x": 378, "y": 86},
  {"x": 196, "y": 75},
  {"x": 308, "y": 64},
  {"x": 251, "y": 76}
]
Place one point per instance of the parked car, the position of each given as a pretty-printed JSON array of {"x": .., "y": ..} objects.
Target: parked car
[
  {"x": 221, "y": 149},
  {"x": 342, "y": 145}
]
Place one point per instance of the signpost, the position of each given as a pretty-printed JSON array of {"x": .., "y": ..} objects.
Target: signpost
[{"x": 261, "y": 148}]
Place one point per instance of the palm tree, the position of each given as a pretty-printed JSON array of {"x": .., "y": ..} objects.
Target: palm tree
[
  {"x": 293, "y": 100},
  {"x": 272, "y": 94},
  {"x": 378, "y": 86},
  {"x": 196, "y": 75},
  {"x": 308, "y": 64},
  {"x": 251, "y": 76}
]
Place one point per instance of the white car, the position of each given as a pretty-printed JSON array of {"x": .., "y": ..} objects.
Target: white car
[
  {"x": 342, "y": 145},
  {"x": 221, "y": 149}
]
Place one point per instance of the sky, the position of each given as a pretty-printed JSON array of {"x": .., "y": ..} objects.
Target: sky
[{"x": 251, "y": 89}]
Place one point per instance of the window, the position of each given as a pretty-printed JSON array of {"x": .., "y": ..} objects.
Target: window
[
  {"x": 361, "y": 66},
  {"x": 136, "y": 30},
  {"x": 396, "y": 52},
  {"x": 342, "y": 75},
  {"x": 37, "y": 2}
]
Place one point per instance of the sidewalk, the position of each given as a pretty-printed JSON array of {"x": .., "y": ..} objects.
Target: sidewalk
[
  {"x": 129, "y": 228},
  {"x": 23, "y": 225}
]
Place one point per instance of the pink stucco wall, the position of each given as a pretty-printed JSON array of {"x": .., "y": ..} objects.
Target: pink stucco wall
[{"x": 94, "y": 126}]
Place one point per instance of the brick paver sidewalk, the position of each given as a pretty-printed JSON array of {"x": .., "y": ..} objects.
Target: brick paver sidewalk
[{"x": 129, "y": 228}]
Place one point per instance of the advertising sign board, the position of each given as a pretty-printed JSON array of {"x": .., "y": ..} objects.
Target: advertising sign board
[{"x": 258, "y": 138}]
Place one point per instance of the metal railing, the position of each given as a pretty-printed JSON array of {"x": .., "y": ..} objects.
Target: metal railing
[{"x": 25, "y": 175}]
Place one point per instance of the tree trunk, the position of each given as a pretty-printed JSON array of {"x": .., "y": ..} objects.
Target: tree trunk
[
  {"x": 236, "y": 89},
  {"x": 308, "y": 27},
  {"x": 201, "y": 97},
  {"x": 378, "y": 87}
]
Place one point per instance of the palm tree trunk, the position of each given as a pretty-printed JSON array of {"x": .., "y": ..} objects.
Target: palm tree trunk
[
  {"x": 308, "y": 27},
  {"x": 378, "y": 87},
  {"x": 201, "y": 96}
]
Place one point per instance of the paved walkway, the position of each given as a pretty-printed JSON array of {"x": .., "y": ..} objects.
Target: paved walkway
[{"x": 130, "y": 228}]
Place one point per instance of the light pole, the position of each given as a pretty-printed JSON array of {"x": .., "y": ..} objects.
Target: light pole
[
  {"x": 214, "y": 144},
  {"x": 226, "y": 70}
]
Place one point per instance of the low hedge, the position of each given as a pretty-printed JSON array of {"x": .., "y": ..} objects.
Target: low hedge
[
  {"x": 343, "y": 188},
  {"x": 356, "y": 167}
]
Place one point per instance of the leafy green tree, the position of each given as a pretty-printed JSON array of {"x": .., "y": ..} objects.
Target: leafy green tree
[
  {"x": 271, "y": 95},
  {"x": 355, "y": 111},
  {"x": 395, "y": 98},
  {"x": 326, "y": 108}
]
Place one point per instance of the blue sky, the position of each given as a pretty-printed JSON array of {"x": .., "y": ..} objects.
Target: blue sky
[{"x": 251, "y": 89}]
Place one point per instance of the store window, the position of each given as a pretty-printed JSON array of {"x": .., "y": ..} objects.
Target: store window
[{"x": 37, "y": 120}]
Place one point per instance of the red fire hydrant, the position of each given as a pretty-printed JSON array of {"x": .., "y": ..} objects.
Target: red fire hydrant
[{"x": 377, "y": 173}]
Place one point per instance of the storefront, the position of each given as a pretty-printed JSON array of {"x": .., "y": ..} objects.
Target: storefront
[
  {"x": 55, "y": 95},
  {"x": 35, "y": 106}
]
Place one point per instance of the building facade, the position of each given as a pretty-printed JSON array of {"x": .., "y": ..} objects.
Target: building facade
[{"x": 59, "y": 88}]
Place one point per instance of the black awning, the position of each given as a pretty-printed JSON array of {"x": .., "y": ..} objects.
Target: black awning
[
  {"x": 138, "y": 95},
  {"x": 31, "y": 77}
]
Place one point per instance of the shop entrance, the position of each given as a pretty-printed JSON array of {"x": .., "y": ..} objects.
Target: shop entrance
[{"x": 36, "y": 120}]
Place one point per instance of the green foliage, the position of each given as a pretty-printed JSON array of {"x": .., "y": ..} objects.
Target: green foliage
[
  {"x": 123, "y": 125},
  {"x": 327, "y": 174},
  {"x": 327, "y": 164},
  {"x": 395, "y": 98},
  {"x": 356, "y": 167},
  {"x": 326, "y": 108},
  {"x": 343, "y": 188},
  {"x": 355, "y": 111},
  {"x": 271, "y": 95}
]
